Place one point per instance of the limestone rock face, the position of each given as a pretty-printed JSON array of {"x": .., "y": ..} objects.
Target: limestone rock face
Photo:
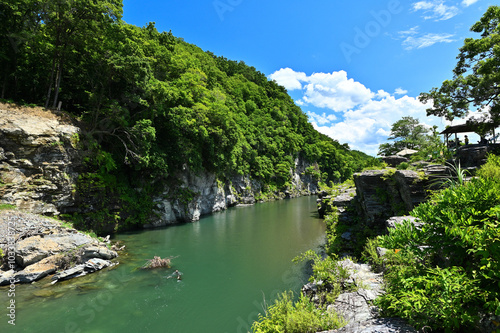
[
  {"x": 202, "y": 193},
  {"x": 38, "y": 161},
  {"x": 382, "y": 194}
]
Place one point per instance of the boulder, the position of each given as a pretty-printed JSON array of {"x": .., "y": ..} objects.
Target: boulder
[
  {"x": 394, "y": 160},
  {"x": 101, "y": 252},
  {"x": 38, "y": 270},
  {"x": 91, "y": 266},
  {"x": 35, "y": 248},
  {"x": 386, "y": 193}
]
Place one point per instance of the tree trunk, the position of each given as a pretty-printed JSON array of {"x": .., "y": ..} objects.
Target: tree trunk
[
  {"x": 58, "y": 84},
  {"x": 47, "y": 100}
]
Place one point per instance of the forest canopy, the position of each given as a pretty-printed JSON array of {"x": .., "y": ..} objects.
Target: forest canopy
[{"x": 152, "y": 103}]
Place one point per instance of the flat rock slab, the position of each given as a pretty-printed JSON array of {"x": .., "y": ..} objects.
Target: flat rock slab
[
  {"x": 379, "y": 325},
  {"x": 35, "y": 248},
  {"x": 356, "y": 307},
  {"x": 91, "y": 266}
]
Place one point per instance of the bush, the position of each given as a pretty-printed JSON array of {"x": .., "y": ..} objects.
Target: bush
[
  {"x": 403, "y": 166},
  {"x": 491, "y": 169},
  {"x": 299, "y": 317},
  {"x": 452, "y": 268}
]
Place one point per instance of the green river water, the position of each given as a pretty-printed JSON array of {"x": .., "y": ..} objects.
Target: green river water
[{"x": 231, "y": 262}]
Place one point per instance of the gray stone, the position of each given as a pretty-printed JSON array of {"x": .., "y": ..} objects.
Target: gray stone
[
  {"x": 35, "y": 248},
  {"x": 101, "y": 252},
  {"x": 381, "y": 251},
  {"x": 37, "y": 161},
  {"x": 91, "y": 266},
  {"x": 394, "y": 160},
  {"x": 377, "y": 325},
  {"x": 393, "y": 221},
  {"x": 7, "y": 277},
  {"x": 383, "y": 193}
]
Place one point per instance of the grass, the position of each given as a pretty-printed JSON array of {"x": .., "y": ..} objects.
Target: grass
[{"x": 7, "y": 207}]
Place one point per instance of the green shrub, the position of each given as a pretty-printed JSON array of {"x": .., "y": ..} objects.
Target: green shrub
[
  {"x": 403, "y": 166},
  {"x": 491, "y": 169},
  {"x": 439, "y": 297},
  {"x": 299, "y": 317},
  {"x": 452, "y": 272}
]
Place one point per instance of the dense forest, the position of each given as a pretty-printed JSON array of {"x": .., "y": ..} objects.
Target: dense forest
[{"x": 152, "y": 104}]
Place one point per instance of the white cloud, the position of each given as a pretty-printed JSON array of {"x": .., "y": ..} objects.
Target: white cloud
[
  {"x": 436, "y": 10},
  {"x": 366, "y": 127},
  {"x": 288, "y": 78},
  {"x": 321, "y": 119},
  {"x": 409, "y": 32},
  {"x": 467, "y": 3},
  {"x": 427, "y": 40},
  {"x": 354, "y": 114},
  {"x": 400, "y": 91},
  {"x": 324, "y": 90}
]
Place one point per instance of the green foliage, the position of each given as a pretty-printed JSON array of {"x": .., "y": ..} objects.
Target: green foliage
[
  {"x": 301, "y": 316},
  {"x": 327, "y": 270},
  {"x": 7, "y": 206},
  {"x": 475, "y": 76},
  {"x": 403, "y": 166},
  {"x": 455, "y": 272},
  {"x": 437, "y": 297},
  {"x": 153, "y": 106},
  {"x": 491, "y": 169},
  {"x": 408, "y": 133}
]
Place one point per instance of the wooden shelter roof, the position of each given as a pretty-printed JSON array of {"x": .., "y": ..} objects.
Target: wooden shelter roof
[{"x": 465, "y": 128}]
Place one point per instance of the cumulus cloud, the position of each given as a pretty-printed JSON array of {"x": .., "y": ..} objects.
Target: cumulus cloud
[
  {"x": 427, "y": 40},
  {"x": 321, "y": 119},
  {"x": 324, "y": 90},
  {"x": 436, "y": 10},
  {"x": 467, "y": 3},
  {"x": 288, "y": 78},
  {"x": 353, "y": 113}
]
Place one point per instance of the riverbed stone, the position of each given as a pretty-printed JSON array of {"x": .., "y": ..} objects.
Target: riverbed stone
[
  {"x": 35, "y": 248},
  {"x": 101, "y": 252},
  {"x": 38, "y": 270}
]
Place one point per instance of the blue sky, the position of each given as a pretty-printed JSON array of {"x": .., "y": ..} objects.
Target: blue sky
[{"x": 354, "y": 67}]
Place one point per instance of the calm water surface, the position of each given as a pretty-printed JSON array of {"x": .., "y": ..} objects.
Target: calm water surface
[{"x": 231, "y": 262}]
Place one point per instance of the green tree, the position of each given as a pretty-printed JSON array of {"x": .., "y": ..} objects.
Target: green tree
[
  {"x": 476, "y": 78},
  {"x": 406, "y": 133}
]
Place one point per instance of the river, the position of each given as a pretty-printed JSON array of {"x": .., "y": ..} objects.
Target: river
[{"x": 232, "y": 262}]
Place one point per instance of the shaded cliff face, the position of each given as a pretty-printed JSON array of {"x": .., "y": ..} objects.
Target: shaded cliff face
[
  {"x": 38, "y": 160},
  {"x": 383, "y": 194}
]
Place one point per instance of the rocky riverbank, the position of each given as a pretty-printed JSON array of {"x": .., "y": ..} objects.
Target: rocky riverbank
[
  {"x": 374, "y": 206},
  {"x": 35, "y": 247}
]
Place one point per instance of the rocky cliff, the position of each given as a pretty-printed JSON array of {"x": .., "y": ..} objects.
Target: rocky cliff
[
  {"x": 385, "y": 193},
  {"x": 40, "y": 164},
  {"x": 204, "y": 193}
]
